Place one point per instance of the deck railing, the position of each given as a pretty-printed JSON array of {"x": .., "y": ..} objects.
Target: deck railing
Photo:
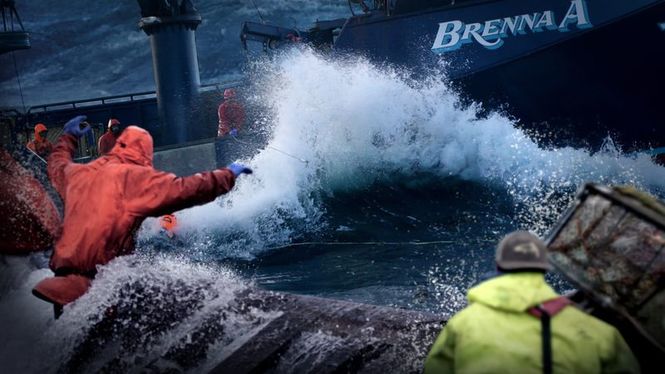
[{"x": 76, "y": 104}]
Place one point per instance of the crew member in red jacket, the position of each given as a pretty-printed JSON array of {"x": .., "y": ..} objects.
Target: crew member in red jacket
[
  {"x": 107, "y": 141},
  {"x": 125, "y": 189},
  {"x": 40, "y": 145},
  {"x": 231, "y": 114}
]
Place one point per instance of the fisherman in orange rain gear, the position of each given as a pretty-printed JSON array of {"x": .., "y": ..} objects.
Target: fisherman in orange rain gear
[
  {"x": 41, "y": 145},
  {"x": 131, "y": 189},
  {"x": 107, "y": 141},
  {"x": 231, "y": 114},
  {"x": 168, "y": 223}
]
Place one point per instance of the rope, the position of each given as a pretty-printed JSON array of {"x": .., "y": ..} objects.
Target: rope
[
  {"x": 413, "y": 243},
  {"x": 258, "y": 12},
  {"x": 18, "y": 79},
  {"x": 271, "y": 147},
  {"x": 36, "y": 155}
]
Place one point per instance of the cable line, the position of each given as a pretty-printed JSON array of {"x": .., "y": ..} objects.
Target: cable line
[
  {"x": 376, "y": 243},
  {"x": 18, "y": 79}
]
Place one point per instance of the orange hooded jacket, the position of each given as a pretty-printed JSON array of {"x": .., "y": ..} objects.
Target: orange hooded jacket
[
  {"x": 231, "y": 115},
  {"x": 107, "y": 200},
  {"x": 107, "y": 140},
  {"x": 39, "y": 145}
]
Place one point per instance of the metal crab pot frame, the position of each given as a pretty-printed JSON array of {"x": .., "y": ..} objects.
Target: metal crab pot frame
[{"x": 611, "y": 245}]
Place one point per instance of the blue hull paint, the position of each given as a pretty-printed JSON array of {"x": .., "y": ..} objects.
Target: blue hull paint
[{"x": 575, "y": 86}]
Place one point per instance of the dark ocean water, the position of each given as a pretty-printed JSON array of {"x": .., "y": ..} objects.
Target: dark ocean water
[
  {"x": 414, "y": 247},
  {"x": 81, "y": 51},
  {"x": 391, "y": 245},
  {"x": 391, "y": 193}
]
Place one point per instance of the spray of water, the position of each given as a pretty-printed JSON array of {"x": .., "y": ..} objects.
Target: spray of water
[
  {"x": 357, "y": 124},
  {"x": 139, "y": 305}
]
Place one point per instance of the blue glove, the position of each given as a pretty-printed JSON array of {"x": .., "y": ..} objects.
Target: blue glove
[
  {"x": 238, "y": 169},
  {"x": 233, "y": 132},
  {"x": 73, "y": 127}
]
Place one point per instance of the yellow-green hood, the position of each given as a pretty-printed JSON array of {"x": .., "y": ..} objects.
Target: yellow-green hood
[{"x": 514, "y": 292}]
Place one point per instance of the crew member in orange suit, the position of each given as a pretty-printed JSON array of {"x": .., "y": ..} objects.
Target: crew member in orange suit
[
  {"x": 107, "y": 141},
  {"x": 40, "y": 145},
  {"x": 231, "y": 114},
  {"x": 125, "y": 189},
  {"x": 168, "y": 223}
]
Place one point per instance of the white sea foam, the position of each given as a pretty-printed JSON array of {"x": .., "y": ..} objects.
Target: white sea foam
[
  {"x": 357, "y": 124},
  {"x": 138, "y": 287}
]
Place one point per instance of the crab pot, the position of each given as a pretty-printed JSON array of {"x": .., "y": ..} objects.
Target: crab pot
[{"x": 611, "y": 245}]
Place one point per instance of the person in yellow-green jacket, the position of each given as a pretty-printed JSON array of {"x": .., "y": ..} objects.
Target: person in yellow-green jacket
[{"x": 516, "y": 323}]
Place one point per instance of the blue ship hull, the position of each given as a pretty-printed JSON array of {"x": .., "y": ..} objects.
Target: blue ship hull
[{"x": 571, "y": 71}]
